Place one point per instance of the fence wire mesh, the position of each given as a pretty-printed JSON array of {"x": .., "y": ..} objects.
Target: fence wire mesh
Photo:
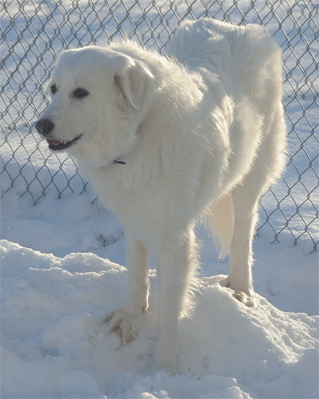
[{"x": 33, "y": 32}]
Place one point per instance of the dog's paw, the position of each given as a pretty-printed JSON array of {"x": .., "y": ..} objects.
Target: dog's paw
[
  {"x": 120, "y": 324},
  {"x": 243, "y": 297}
]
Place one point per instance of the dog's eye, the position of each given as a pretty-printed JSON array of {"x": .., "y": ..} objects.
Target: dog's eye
[
  {"x": 80, "y": 93},
  {"x": 53, "y": 89}
]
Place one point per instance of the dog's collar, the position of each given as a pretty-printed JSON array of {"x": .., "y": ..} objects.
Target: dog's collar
[{"x": 115, "y": 162}]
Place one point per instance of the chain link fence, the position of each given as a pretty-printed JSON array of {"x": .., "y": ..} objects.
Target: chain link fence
[{"x": 33, "y": 32}]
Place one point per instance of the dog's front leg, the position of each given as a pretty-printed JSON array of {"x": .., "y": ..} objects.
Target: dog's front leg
[
  {"x": 139, "y": 284},
  {"x": 176, "y": 265},
  {"x": 126, "y": 321}
]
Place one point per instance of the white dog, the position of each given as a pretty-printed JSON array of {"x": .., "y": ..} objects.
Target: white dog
[{"x": 165, "y": 140}]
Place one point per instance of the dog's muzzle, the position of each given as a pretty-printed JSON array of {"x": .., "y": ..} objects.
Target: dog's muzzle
[{"x": 45, "y": 127}]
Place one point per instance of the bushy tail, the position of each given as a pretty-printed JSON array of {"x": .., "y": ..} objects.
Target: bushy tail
[{"x": 221, "y": 222}]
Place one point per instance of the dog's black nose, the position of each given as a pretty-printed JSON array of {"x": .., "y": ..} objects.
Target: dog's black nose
[{"x": 44, "y": 126}]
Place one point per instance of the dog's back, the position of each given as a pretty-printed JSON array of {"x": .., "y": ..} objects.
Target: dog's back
[{"x": 244, "y": 57}]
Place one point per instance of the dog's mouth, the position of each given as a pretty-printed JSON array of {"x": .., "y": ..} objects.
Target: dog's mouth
[{"x": 61, "y": 145}]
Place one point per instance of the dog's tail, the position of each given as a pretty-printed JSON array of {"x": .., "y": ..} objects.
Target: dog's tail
[{"x": 221, "y": 218}]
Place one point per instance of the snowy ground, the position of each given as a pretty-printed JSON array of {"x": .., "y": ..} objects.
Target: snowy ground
[
  {"x": 63, "y": 264},
  {"x": 58, "y": 283}
]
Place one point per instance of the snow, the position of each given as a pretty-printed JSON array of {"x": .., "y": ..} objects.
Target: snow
[
  {"x": 63, "y": 265},
  {"x": 58, "y": 284}
]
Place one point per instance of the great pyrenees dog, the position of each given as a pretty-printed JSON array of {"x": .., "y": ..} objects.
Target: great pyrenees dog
[{"x": 166, "y": 140}]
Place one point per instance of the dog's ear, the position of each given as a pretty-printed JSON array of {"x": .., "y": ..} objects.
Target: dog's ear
[{"x": 132, "y": 83}]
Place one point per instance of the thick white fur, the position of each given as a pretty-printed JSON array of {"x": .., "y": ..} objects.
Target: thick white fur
[{"x": 202, "y": 134}]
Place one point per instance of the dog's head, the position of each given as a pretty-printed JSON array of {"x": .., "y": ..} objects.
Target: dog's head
[{"x": 98, "y": 98}]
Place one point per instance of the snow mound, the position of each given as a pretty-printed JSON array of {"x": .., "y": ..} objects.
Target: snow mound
[{"x": 54, "y": 343}]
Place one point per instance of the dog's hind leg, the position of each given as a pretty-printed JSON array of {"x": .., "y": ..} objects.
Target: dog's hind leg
[
  {"x": 126, "y": 321},
  {"x": 221, "y": 222},
  {"x": 245, "y": 201},
  {"x": 267, "y": 167}
]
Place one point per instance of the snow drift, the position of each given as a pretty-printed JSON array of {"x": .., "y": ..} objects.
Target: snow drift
[{"x": 55, "y": 344}]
